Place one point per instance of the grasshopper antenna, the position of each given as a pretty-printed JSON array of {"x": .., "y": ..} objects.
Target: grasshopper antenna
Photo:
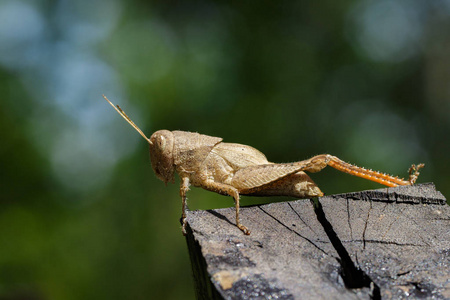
[{"x": 127, "y": 118}]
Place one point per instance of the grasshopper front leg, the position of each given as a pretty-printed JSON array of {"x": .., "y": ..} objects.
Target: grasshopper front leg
[{"x": 184, "y": 188}]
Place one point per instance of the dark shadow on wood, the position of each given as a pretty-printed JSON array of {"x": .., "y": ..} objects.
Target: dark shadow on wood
[
  {"x": 354, "y": 277},
  {"x": 220, "y": 216}
]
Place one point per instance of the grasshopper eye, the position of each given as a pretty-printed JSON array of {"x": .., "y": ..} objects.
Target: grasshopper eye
[{"x": 162, "y": 143}]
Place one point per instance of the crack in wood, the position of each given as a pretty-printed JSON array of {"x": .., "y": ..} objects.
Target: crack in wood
[
  {"x": 353, "y": 276},
  {"x": 293, "y": 231},
  {"x": 381, "y": 242},
  {"x": 420, "y": 235},
  {"x": 300, "y": 218},
  {"x": 365, "y": 226},
  {"x": 349, "y": 218}
]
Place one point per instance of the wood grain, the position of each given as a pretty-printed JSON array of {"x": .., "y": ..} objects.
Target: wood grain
[{"x": 388, "y": 243}]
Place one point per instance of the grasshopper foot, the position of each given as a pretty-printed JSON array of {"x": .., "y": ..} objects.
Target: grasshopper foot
[
  {"x": 183, "y": 225},
  {"x": 414, "y": 172},
  {"x": 244, "y": 229}
]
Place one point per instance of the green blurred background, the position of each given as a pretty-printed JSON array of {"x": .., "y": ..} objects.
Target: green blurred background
[{"x": 82, "y": 216}]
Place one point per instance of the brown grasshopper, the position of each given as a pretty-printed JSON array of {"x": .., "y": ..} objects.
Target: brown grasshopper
[{"x": 234, "y": 169}]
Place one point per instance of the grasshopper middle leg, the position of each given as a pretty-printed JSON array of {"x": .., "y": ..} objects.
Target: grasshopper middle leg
[{"x": 226, "y": 189}]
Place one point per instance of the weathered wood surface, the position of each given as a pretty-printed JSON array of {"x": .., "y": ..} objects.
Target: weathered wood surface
[{"x": 393, "y": 244}]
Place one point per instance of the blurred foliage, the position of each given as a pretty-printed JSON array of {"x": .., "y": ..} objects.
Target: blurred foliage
[{"x": 82, "y": 216}]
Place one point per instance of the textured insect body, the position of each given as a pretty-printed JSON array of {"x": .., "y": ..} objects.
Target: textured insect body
[
  {"x": 179, "y": 150},
  {"x": 234, "y": 169},
  {"x": 191, "y": 150}
]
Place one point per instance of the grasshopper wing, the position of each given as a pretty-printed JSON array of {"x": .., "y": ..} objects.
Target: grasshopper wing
[{"x": 240, "y": 156}]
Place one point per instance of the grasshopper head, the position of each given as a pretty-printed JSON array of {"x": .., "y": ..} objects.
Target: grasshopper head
[{"x": 161, "y": 155}]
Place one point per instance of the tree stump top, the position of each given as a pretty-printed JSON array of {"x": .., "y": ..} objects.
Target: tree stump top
[{"x": 394, "y": 243}]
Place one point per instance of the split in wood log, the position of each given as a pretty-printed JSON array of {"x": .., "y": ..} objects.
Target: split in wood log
[{"x": 395, "y": 243}]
